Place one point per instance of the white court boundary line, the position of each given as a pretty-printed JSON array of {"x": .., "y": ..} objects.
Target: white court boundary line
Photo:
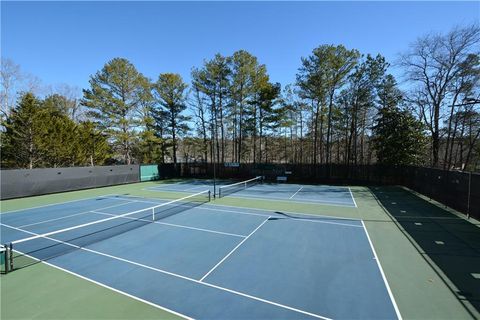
[
  {"x": 110, "y": 288},
  {"x": 351, "y": 194},
  {"x": 59, "y": 203},
  {"x": 296, "y": 192},
  {"x": 161, "y": 185},
  {"x": 107, "y": 219},
  {"x": 197, "y": 187},
  {"x": 174, "y": 225},
  {"x": 138, "y": 199},
  {"x": 210, "y": 204},
  {"x": 75, "y": 214},
  {"x": 289, "y": 212},
  {"x": 158, "y": 189},
  {"x": 154, "y": 189},
  {"x": 206, "y": 207},
  {"x": 313, "y": 202},
  {"x": 119, "y": 291},
  {"x": 233, "y": 250},
  {"x": 174, "y": 275},
  {"x": 166, "y": 188},
  {"x": 306, "y": 201},
  {"x": 292, "y": 218},
  {"x": 392, "y": 298},
  {"x": 264, "y": 188},
  {"x": 283, "y": 186}
]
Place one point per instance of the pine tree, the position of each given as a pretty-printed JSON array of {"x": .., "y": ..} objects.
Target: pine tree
[
  {"x": 59, "y": 141},
  {"x": 170, "y": 94},
  {"x": 398, "y": 138},
  {"x": 24, "y": 130},
  {"x": 114, "y": 101},
  {"x": 94, "y": 148}
]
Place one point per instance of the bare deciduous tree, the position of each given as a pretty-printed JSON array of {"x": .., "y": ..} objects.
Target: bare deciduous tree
[
  {"x": 10, "y": 76},
  {"x": 433, "y": 63}
]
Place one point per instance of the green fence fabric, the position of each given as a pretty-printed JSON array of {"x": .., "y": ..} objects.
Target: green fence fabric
[
  {"x": 149, "y": 172},
  {"x": 18, "y": 183}
]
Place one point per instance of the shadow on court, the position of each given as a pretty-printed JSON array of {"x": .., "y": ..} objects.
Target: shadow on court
[{"x": 450, "y": 244}]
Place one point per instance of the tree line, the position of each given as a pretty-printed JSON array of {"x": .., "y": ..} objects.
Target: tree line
[{"x": 345, "y": 107}]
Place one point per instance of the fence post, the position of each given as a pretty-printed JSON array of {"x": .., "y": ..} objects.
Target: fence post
[{"x": 469, "y": 193}]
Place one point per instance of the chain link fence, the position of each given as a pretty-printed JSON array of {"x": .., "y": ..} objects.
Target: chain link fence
[{"x": 458, "y": 190}]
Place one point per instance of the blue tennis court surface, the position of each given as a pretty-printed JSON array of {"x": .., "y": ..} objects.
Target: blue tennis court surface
[
  {"x": 215, "y": 262},
  {"x": 316, "y": 194}
]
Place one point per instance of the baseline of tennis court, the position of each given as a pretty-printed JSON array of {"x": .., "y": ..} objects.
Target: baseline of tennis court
[
  {"x": 215, "y": 262},
  {"x": 316, "y": 194}
]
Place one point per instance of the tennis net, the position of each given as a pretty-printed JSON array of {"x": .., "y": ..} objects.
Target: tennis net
[
  {"x": 235, "y": 187},
  {"x": 42, "y": 247}
]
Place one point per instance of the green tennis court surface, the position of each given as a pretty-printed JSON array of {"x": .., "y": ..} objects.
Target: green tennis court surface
[{"x": 238, "y": 256}]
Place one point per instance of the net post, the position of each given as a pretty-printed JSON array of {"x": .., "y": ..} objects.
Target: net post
[
  {"x": 10, "y": 257},
  {"x": 4, "y": 259},
  {"x": 153, "y": 214}
]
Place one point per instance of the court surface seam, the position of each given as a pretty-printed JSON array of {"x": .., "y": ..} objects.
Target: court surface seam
[
  {"x": 233, "y": 250},
  {"x": 172, "y": 274}
]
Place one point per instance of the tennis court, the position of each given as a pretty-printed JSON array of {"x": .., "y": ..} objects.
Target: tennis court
[
  {"x": 206, "y": 261},
  {"x": 257, "y": 189}
]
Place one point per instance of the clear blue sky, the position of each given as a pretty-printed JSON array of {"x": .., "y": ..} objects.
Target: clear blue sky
[{"x": 66, "y": 42}]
